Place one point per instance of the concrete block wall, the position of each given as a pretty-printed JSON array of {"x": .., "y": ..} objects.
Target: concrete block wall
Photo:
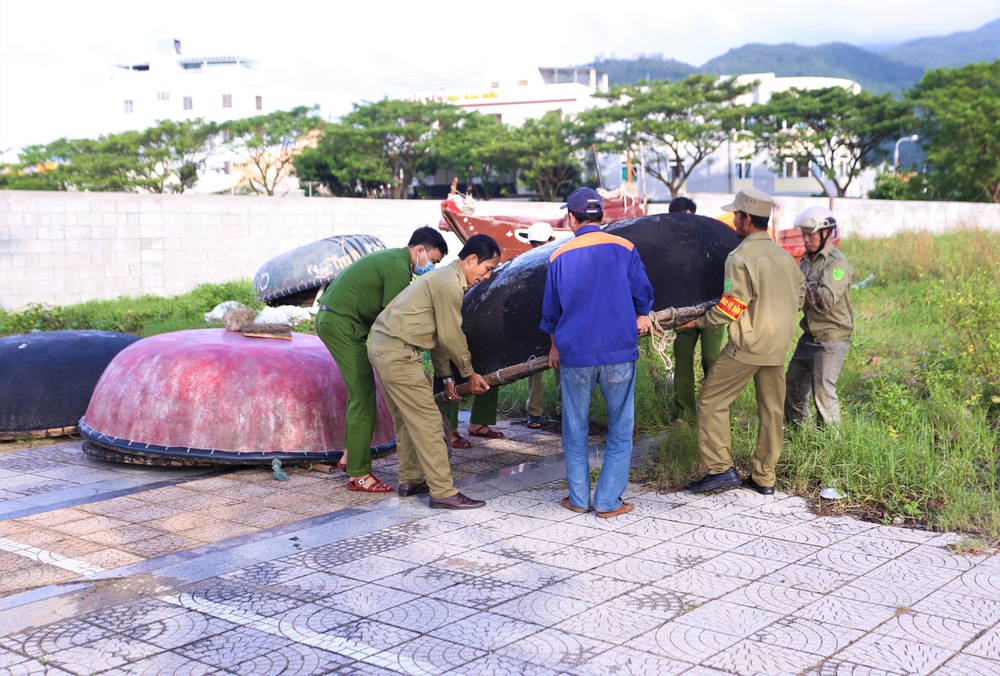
[{"x": 66, "y": 248}]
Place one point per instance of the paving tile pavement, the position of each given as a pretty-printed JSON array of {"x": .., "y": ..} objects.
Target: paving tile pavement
[{"x": 130, "y": 570}]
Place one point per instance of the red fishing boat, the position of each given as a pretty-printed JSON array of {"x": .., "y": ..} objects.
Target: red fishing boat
[{"x": 509, "y": 231}]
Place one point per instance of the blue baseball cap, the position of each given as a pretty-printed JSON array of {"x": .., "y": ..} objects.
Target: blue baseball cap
[{"x": 584, "y": 201}]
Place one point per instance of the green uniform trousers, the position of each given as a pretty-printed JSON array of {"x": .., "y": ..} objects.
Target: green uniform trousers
[
  {"x": 484, "y": 409},
  {"x": 346, "y": 342},
  {"x": 721, "y": 388},
  {"x": 684, "y": 344},
  {"x": 420, "y": 445},
  {"x": 536, "y": 393}
]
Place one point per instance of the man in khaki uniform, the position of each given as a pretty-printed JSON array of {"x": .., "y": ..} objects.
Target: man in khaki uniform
[
  {"x": 763, "y": 294},
  {"x": 427, "y": 315},
  {"x": 827, "y": 322}
]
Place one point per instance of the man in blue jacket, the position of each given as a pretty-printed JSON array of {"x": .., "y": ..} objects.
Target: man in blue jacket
[{"x": 597, "y": 298}]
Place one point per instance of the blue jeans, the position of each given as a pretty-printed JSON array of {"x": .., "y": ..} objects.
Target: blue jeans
[{"x": 617, "y": 383}]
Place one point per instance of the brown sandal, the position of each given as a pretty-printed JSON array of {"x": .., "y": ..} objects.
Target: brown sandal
[
  {"x": 487, "y": 433},
  {"x": 458, "y": 441},
  {"x": 341, "y": 466},
  {"x": 368, "y": 484}
]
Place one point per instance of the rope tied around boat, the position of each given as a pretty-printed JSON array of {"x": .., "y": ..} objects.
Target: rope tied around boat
[{"x": 279, "y": 473}]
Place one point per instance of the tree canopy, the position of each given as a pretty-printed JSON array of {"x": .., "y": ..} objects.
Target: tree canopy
[
  {"x": 836, "y": 132},
  {"x": 958, "y": 113},
  {"x": 679, "y": 124}
]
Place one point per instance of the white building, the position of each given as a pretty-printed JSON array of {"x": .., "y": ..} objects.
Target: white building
[
  {"x": 510, "y": 94},
  {"x": 169, "y": 86}
]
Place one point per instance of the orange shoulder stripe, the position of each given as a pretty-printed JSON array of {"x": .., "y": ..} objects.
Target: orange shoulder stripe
[{"x": 591, "y": 239}]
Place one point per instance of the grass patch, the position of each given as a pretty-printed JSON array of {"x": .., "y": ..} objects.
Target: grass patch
[{"x": 920, "y": 394}]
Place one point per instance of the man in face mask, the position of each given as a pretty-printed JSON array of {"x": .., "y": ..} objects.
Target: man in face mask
[{"x": 347, "y": 311}]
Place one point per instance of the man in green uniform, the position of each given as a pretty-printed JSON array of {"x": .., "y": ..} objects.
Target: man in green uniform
[
  {"x": 763, "y": 294},
  {"x": 827, "y": 322},
  {"x": 427, "y": 316},
  {"x": 685, "y": 342},
  {"x": 347, "y": 311}
]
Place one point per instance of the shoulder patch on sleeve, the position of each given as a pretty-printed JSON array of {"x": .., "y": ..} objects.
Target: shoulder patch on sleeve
[{"x": 838, "y": 274}]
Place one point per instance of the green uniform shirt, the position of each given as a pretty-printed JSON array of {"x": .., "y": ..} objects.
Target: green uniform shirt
[
  {"x": 762, "y": 299},
  {"x": 428, "y": 316},
  {"x": 367, "y": 285},
  {"x": 828, "y": 315}
]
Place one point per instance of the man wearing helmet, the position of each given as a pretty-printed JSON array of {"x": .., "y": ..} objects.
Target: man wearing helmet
[{"x": 827, "y": 322}]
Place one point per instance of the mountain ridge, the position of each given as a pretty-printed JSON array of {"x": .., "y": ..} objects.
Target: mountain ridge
[{"x": 890, "y": 69}]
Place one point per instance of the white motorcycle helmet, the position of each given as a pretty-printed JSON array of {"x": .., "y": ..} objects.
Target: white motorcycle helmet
[{"x": 814, "y": 219}]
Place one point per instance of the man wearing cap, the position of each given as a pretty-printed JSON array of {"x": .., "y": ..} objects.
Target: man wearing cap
[
  {"x": 763, "y": 293},
  {"x": 597, "y": 298},
  {"x": 538, "y": 234}
]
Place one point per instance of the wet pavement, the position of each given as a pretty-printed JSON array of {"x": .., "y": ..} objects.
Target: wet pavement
[{"x": 123, "y": 569}]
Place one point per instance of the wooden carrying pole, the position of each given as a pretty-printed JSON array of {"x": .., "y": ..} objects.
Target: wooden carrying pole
[{"x": 664, "y": 319}]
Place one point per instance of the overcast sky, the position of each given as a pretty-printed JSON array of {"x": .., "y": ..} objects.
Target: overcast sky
[{"x": 336, "y": 54}]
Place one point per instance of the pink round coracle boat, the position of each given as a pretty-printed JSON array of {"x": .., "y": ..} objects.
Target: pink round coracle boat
[{"x": 211, "y": 396}]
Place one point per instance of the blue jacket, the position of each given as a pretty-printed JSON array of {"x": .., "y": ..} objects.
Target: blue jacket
[{"x": 595, "y": 286}]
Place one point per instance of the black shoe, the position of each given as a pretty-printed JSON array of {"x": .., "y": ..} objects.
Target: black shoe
[
  {"x": 712, "y": 482},
  {"x": 754, "y": 486},
  {"x": 408, "y": 488},
  {"x": 457, "y": 501}
]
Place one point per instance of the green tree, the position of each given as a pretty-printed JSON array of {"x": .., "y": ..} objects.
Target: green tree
[
  {"x": 547, "y": 151},
  {"x": 481, "y": 142},
  {"x": 269, "y": 143},
  {"x": 386, "y": 143},
  {"x": 40, "y": 167},
  {"x": 834, "y": 131},
  {"x": 680, "y": 124},
  {"x": 958, "y": 112},
  {"x": 172, "y": 153}
]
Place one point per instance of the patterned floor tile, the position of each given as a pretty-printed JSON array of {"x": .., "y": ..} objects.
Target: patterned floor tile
[
  {"x": 937, "y": 631},
  {"x": 617, "y": 542},
  {"x": 542, "y": 608},
  {"x": 425, "y": 581},
  {"x": 895, "y": 654},
  {"x": 775, "y": 598},
  {"x": 847, "y": 613},
  {"x": 810, "y": 636},
  {"x": 311, "y": 618},
  {"x": 609, "y": 621},
  {"x": 682, "y": 641},
  {"x": 576, "y": 558},
  {"x": 655, "y": 528},
  {"x": 731, "y": 618},
  {"x": 481, "y": 592},
  {"x": 371, "y": 634},
  {"x": 633, "y": 569},
  {"x": 241, "y": 598},
  {"x": 529, "y": 575},
  {"x": 486, "y": 631},
  {"x": 731, "y": 564},
  {"x": 516, "y": 504},
  {"x": 969, "y": 665},
  {"x": 843, "y": 561},
  {"x": 701, "y": 584},
  {"x": 750, "y": 657},
  {"x": 127, "y": 617},
  {"x": 474, "y": 562},
  {"x": 104, "y": 653},
  {"x": 808, "y": 578},
  {"x": 555, "y": 649},
  {"x": 872, "y": 545},
  {"x": 659, "y": 603},
  {"x": 366, "y": 599},
  {"x": 678, "y": 555},
  {"x": 495, "y": 664},
  {"x": 981, "y": 583},
  {"x": 164, "y": 664},
  {"x": 594, "y": 588},
  {"x": 371, "y": 568},
  {"x": 773, "y": 549},
  {"x": 426, "y": 614},
  {"x": 749, "y": 524},
  {"x": 428, "y": 656},
  {"x": 987, "y": 645},
  {"x": 174, "y": 631},
  {"x": 713, "y": 538},
  {"x": 623, "y": 661},
  {"x": 885, "y": 593},
  {"x": 945, "y": 603}
]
